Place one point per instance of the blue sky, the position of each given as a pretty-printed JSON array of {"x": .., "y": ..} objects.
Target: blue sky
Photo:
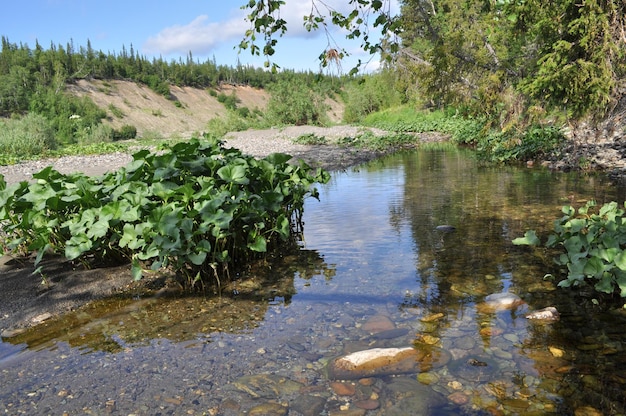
[{"x": 170, "y": 29}]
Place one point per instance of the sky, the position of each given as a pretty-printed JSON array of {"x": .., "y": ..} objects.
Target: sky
[{"x": 209, "y": 29}]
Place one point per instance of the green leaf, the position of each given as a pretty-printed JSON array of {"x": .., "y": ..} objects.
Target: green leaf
[
  {"x": 136, "y": 269},
  {"x": 594, "y": 267},
  {"x": 530, "y": 239},
  {"x": 605, "y": 283},
  {"x": 233, "y": 174},
  {"x": 620, "y": 280},
  {"x": 76, "y": 246},
  {"x": 620, "y": 260},
  {"x": 259, "y": 244}
]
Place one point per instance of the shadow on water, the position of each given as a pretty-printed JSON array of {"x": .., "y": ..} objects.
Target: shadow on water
[{"x": 376, "y": 270}]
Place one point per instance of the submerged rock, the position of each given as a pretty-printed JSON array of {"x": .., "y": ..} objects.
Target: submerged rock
[
  {"x": 500, "y": 302},
  {"x": 386, "y": 361},
  {"x": 444, "y": 228},
  {"x": 546, "y": 314}
]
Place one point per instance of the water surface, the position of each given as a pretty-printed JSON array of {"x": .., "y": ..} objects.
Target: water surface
[{"x": 374, "y": 271}]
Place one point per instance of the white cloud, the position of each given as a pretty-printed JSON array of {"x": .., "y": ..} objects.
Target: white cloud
[
  {"x": 202, "y": 36},
  {"x": 199, "y": 36}
]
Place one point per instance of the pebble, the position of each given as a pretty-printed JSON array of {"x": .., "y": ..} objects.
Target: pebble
[
  {"x": 378, "y": 323},
  {"x": 433, "y": 317},
  {"x": 268, "y": 409},
  {"x": 458, "y": 398},
  {"x": 368, "y": 404},
  {"x": 41, "y": 318},
  {"x": 343, "y": 389}
]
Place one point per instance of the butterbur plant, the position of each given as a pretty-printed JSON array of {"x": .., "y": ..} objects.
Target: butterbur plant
[
  {"x": 593, "y": 245},
  {"x": 196, "y": 207}
]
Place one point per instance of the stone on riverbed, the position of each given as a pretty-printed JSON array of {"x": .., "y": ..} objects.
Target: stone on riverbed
[
  {"x": 500, "y": 302},
  {"x": 546, "y": 314},
  {"x": 386, "y": 361}
]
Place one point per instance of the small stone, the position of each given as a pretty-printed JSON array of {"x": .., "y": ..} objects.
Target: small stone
[
  {"x": 268, "y": 409},
  {"x": 8, "y": 333},
  {"x": 427, "y": 378},
  {"x": 546, "y": 314},
  {"x": 378, "y": 323},
  {"x": 491, "y": 331},
  {"x": 499, "y": 302},
  {"x": 367, "y": 381},
  {"x": 343, "y": 389},
  {"x": 41, "y": 318},
  {"x": 427, "y": 339},
  {"x": 505, "y": 355},
  {"x": 432, "y": 318},
  {"x": 391, "y": 333},
  {"x": 455, "y": 385},
  {"x": 587, "y": 411},
  {"x": 367, "y": 404},
  {"x": 110, "y": 406},
  {"x": 458, "y": 398},
  {"x": 564, "y": 369},
  {"x": 556, "y": 352}
]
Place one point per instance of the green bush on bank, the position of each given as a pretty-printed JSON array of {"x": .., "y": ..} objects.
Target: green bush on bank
[
  {"x": 28, "y": 136},
  {"x": 592, "y": 245},
  {"x": 194, "y": 206},
  {"x": 492, "y": 145}
]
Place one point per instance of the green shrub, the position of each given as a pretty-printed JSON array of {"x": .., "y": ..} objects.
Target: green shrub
[
  {"x": 371, "y": 94},
  {"x": 229, "y": 101},
  {"x": 295, "y": 103},
  {"x": 509, "y": 146},
  {"x": 99, "y": 133},
  {"x": 31, "y": 135},
  {"x": 194, "y": 206},
  {"x": 592, "y": 244},
  {"x": 126, "y": 132},
  {"x": 219, "y": 126},
  {"x": 116, "y": 111},
  {"x": 310, "y": 139}
]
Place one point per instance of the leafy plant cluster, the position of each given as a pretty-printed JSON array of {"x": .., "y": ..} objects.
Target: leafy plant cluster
[
  {"x": 31, "y": 135},
  {"x": 196, "y": 207},
  {"x": 507, "y": 146},
  {"x": 369, "y": 140},
  {"x": 494, "y": 145},
  {"x": 593, "y": 244}
]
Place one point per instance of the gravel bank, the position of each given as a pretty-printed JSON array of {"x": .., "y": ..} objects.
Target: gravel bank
[{"x": 258, "y": 143}]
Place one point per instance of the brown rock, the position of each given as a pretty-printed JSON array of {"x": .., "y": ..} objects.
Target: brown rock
[
  {"x": 432, "y": 318},
  {"x": 587, "y": 411},
  {"x": 491, "y": 331},
  {"x": 499, "y": 302},
  {"x": 378, "y": 323},
  {"x": 268, "y": 409},
  {"x": 458, "y": 398},
  {"x": 386, "y": 361},
  {"x": 367, "y": 381},
  {"x": 343, "y": 389},
  {"x": 367, "y": 404},
  {"x": 546, "y": 314}
]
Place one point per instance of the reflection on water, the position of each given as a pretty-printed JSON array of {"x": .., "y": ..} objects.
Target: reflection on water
[{"x": 375, "y": 271}]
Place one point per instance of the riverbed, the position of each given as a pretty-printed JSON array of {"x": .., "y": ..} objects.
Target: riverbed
[{"x": 376, "y": 269}]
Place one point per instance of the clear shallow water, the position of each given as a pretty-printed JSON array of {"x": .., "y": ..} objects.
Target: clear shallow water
[{"x": 371, "y": 254}]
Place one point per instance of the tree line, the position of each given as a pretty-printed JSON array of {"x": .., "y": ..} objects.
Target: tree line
[{"x": 33, "y": 80}]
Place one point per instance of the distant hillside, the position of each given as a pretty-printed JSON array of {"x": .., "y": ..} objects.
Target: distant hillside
[{"x": 127, "y": 102}]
